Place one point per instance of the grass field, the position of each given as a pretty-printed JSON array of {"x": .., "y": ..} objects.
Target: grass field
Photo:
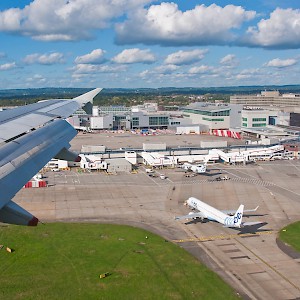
[
  {"x": 64, "y": 261},
  {"x": 291, "y": 235}
]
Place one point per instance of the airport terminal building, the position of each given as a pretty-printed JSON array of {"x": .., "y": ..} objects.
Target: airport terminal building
[
  {"x": 267, "y": 98},
  {"x": 243, "y": 114}
]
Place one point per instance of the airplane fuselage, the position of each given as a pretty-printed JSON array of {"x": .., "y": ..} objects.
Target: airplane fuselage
[{"x": 214, "y": 214}]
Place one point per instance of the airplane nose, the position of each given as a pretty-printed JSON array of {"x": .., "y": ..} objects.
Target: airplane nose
[{"x": 185, "y": 202}]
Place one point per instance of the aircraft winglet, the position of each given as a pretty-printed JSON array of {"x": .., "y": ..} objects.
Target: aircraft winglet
[{"x": 87, "y": 97}]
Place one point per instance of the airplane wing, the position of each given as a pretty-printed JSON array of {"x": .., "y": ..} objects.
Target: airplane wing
[
  {"x": 191, "y": 216},
  {"x": 29, "y": 137},
  {"x": 232, "y": 212}
]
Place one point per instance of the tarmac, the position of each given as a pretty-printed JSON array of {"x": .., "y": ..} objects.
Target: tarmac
[{"x": 250, "y": 261}]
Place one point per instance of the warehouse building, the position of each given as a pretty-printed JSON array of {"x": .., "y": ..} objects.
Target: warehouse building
[
  {"x": 116, "y": 165},
  {"x": 102, "y": 122}
]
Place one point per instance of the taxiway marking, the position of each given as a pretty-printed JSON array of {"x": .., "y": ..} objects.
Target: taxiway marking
[{"x": 222, "y": 237}]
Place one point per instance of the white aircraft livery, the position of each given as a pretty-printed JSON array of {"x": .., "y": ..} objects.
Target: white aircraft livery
[
  {"x": 208, "y": 212},
  {"x": 29, "y": 137}
]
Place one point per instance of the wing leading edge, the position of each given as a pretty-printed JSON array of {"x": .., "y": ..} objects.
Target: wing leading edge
[{"x": 23, "y": 154}]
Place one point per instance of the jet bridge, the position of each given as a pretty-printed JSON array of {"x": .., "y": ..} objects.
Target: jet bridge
[
  {"x": 155, "y": 159},
  {"x": 248, "y": 155}
]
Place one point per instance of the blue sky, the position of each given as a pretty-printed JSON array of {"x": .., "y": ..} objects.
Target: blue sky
[{"x": 144, "y": 43}]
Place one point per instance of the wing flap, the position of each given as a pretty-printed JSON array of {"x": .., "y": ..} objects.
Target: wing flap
[
  {"x": 14, "y": 128},
  {"x": 17, "y": 121},
  {"x": 12, "y": 213},
  {"x": 63, "y": 109}
]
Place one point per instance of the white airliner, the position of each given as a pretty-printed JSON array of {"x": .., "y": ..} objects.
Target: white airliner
[
  {"x": 201, "y": 168},
  {"x": 210, "y": 213}
]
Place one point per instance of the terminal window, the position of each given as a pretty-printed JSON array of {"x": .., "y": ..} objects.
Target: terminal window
[
  {"x": 259, "y": 120},
  {"x": 259, "y": 125}
]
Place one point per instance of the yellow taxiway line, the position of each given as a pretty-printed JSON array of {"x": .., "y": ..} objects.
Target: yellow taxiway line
[{"x": 222, "y": 237}]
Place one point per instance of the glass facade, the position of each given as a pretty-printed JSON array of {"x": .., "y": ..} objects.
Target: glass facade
[
  {"x": 259, "y": 120},
  {"x": 259, "y": 125},
  {"x": 117, "y": 122},
  {"x": 208, "y": 113},
  {"x": 135, "y": 122},
  {"x": 114, "y": 109},
  {"x": 213, "y": 119},
  {"x": 158, "y": 121}
]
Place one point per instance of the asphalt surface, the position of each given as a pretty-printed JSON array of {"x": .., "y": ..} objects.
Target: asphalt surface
[{"x": 249, "y": 259}]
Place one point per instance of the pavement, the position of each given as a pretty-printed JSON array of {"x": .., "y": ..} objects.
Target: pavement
[{"x": 250, "y": 261}]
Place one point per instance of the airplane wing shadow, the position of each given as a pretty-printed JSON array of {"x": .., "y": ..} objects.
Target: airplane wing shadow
[
  {"x": 196, "y": 221},
  {"x": 253, "y": 215},
  {"x": 253, "y": 228}
]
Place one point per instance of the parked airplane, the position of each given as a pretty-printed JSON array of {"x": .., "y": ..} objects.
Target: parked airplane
[
  {"x": 206, "y": 211},
  {"x": 200, "y": 168},
  {"x": 29, "y": 137}
]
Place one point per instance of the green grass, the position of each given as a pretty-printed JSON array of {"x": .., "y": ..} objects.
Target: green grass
[
  {"x": 291, "y": 235},
  {"x": 64, "y": 261}
]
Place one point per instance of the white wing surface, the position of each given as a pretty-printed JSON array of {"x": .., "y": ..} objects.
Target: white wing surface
[{"x": 29, "y": 137}]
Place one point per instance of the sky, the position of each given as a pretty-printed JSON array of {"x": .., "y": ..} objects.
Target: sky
[{"x": 144, "y": 43}]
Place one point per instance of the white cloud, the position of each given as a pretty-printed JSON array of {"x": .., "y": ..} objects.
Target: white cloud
[
  {"x": 134, "y": 55},
  {"x": 159, "y": 71},
  {"x": 44, "y": 59},
  {"x": 243, "y": 76},
  {"x": 165, "y": 24},
  {"x": 281, "y": 63},
  {"x": 249, "y": 74},
  {"x": 251, "y": 71},
  {"x": 49, "y": 20},
  {"x": 95, "y": 57},
  {"x": 8, "y": 66},
  {"x": 185, "y": 57},
  {"x": 144, "y": 74},
  {"x": 90, "y": 69},
  {"x": 281, "y": 30},
  {"x": 200, "y": 69},
  {"x": 37, "y": 78},
  {"x": 166, "y": 69},
  {"x": 229, "y": 60}
]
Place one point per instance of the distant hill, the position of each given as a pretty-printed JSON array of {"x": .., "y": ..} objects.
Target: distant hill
[
  {"x": 42, "y": 93},
  {"x": 48, "y": 93}
]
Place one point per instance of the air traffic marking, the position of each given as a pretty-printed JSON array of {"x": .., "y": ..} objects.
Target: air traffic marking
[{"x": 222, "y": 237}]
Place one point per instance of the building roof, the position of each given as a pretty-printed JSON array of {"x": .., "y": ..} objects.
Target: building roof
[{"x": 202, "y": 106}]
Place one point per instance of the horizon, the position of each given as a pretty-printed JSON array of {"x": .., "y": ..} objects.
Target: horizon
[{"x": 157, "y": 88}]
